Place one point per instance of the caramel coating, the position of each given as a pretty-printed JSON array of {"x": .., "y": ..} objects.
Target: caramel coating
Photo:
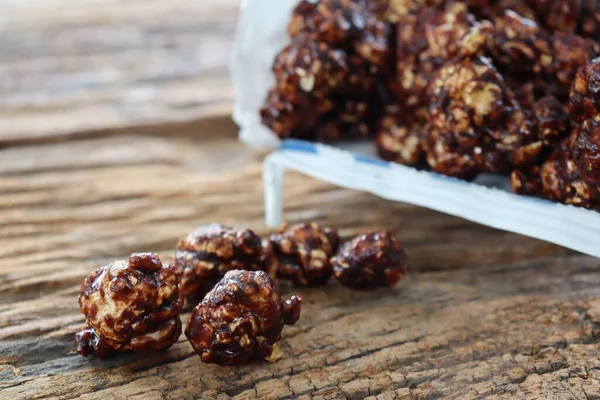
[
  {"x": 309, "y": 66},
  {"x": 575, "y": 16},
  {"x": 586, "y": 150},
  {"x": 426, "y": 39},
  {"x": 241, "y": 319},
  {"x": 428, "y": 35},
  {"x": 476, "y": 123},
  {"x": 374, "y": 42},
  {"x": 369, "y": 261},
  {"x": 522, "y": 46},
  {"x": 353, "y": 110},
  {"x": 333, "y": 128},
  {"x": 352, "y": 118},
  {"x": 558, "y": 15},
  {"x": 303, "y": 18},
  {"x": 395, "y": 10},
  {"x": 337, "y": 22},
  {"x": 561, "y": 182},
  {"x": 362, "y": 79},
  {"x": 329, "y": 78},
  {"x": 584, "y": 109},
  {"x": 524, "y": 92},
  {"x": 490, "y": 9},
  {"x": 349, "y": 118},
  {"x": 584, "y": 101},
  {"x": 417, "y": 79},
  {"x": 301, "y": 253},
  {"x": 399, "y": 142},
  {"x": 558, "y": 179},
  {"x": 349, "y": 24},
  {"x": 207, "y": 253},
  {"x": 480, "y": 8},
  {"x": 520, "y": 7},
  {"x": 520, "y": 43},
  {"x": 552, "y": 120},
  {"x": 527, "y": 181},
  {"x": 130, "y": 306},
  {"x": 296, "y": 119},
  {"x": 589, "y": 22},
  {"x": 570, "y": 53}
]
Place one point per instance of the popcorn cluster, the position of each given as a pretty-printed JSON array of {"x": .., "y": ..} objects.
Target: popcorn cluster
[
  {"x": 458, "y": 87},
  {"x": 229, "y": 276}
]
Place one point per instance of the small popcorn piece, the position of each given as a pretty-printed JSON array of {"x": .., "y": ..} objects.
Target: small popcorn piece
[
  {"x": 301, "y": 253},
  {"x": 352, "y": 110},
  {"x": 374, "y": 42},
  {"x": 491, "y": 9},
  {"x": 206, "y": 254},
  {"x": 552, "y": 120},
  {"x": 310, "y": 66},
  {"x": 584, "y": 101},
  {"x": 428, "y": 34},
  {"x": 475, "y": 122},
  {"x": 302, "y": 18},
  {"x": 527, "y": 181},
  {"x": 570, "y": 53},
  {"x": 558, "y": 179},
  {"x": 561, "y": 182},
  {"x": 426, "y": 39},
  {"x": 589, "y": 23},
  {"x": 395, "y": 10},
  {"x": 558, "y": 15},
  {"x": 370, "y": 261},
  {"x": 331, "y": 129},
  {"x": 574, "y": 16},
  {"x": 130, "y": 306},
  {"x": 337, "y": 22},
  {"x": 289, "y": 119},
  {"x": 329, "y": 79},
  {"x": 481, "y": 8},
  {"x": 354, "y": 117},
  {"x": 346, "y": 24},
  {"x": 362, "y": 78},
  {"x": 398, "y": 141},
  {"x": 520, "y": 7},
  {"x": 522, "y": 46},
  {"x": 586, "y": 150},
  {"x": 241, "y": 319},
  {"x": 524, "y": 92}
]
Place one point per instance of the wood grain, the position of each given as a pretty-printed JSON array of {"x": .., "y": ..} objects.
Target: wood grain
[
  {"x": 483, "y": 313},
  {"x": 77, "y": 68},
  {"x": 112, "y": 140}
]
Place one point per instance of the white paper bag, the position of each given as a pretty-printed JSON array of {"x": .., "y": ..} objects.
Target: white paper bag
[{"x": 488, "y": 201}]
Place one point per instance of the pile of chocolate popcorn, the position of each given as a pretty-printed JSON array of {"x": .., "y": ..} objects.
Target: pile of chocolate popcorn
[
  {"x": 458, "y": 87},
  {"x": 228, "y": 276}
]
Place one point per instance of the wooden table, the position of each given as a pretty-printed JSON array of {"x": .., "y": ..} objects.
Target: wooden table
[{"x": 115, "y": 137}]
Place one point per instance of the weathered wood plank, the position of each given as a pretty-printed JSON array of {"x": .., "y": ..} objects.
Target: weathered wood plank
[
  {"x": 71, "y": 68},
  {"x": 482, "y": 313}
]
